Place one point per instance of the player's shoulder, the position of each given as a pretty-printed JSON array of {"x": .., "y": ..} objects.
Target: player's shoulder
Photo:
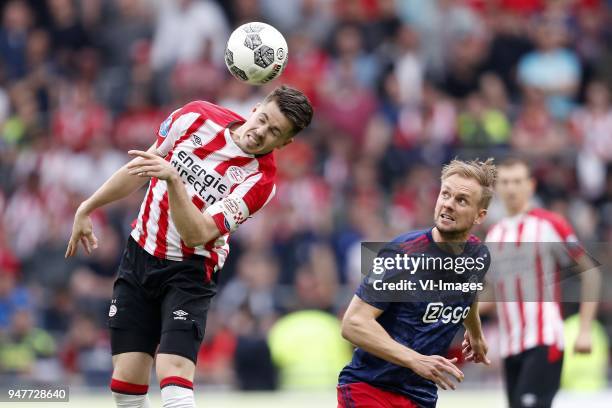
[
  {"x": 267, "y": 165},
  {"x": 476, "y": 246},
  {"x": 218, "y": 114},
  {"x": 555, "y": 220},
  {"x": 411, "y": 236},
  {"x": 473, "y": 239},
  {"x": 494, "y": 228},
  {"x": 547, "y": 215},
  {"x": 413, "y": 241}
]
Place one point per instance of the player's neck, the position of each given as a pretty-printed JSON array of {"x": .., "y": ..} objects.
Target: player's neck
[
  {"x": 512, "y": 212},
  {"x": 453, "y": 242}
]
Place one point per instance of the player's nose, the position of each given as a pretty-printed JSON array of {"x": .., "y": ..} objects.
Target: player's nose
[{"x": 259, "y": 132}]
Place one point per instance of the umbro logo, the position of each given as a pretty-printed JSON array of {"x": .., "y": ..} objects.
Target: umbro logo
[
  {"x": 180, "y": 315},
  {"x": 197, "y": 140}
]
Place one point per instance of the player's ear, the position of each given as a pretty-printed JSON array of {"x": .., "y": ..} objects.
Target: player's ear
[
  {"x": 257, "y": 105},
  {"x": 286, "y": 142},
  {"x": 532, "y": 184},
  {"x": 480, "y": 217}
]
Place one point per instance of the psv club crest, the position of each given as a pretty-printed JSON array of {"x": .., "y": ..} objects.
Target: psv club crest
[{"x": 235, "y": 174}]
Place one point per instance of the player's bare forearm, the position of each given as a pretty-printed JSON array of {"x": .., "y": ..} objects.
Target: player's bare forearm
[
  {"x": 590, "y": 289},
  {"x": 359, "y": 326},
  {"x": 474, "y": 346},
  {"x": 472, "y": 321},
  {"x": 118, "y": 186},
  {"x": 194, "y": 227},
  {"x": 367, "y": 334}
]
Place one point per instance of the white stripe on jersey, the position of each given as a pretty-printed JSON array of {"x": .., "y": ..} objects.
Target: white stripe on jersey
[
  {"x": 211, "y": 165},
  {"x": 514, "y": 243}
]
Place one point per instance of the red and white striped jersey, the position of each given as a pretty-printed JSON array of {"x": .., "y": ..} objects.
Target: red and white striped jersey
[
  {"x": 219, "y": 176},
  {"x": 524, "y": 273}
]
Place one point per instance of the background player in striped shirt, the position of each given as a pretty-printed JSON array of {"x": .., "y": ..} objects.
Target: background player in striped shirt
[
  {"x": 398, "y": 361},
  {"x": 209, "y": 170},
  {"x": 525, "y": 276}
]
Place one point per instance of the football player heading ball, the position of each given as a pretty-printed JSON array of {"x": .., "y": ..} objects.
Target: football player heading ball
[{"x": 208, "y": 171}]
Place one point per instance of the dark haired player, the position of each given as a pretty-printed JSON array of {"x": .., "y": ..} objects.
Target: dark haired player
[
  {"x": 209, "y": 170},
  {"x": 527, "y": 265}
]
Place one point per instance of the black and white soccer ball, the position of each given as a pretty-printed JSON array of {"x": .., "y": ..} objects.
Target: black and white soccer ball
[{"x": 256, "y": 53}]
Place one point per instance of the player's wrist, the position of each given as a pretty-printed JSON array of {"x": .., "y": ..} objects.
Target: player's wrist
[
  {"x": 84, "y": 209},
  {"x": 409, "y": 358},
  {"x": 174, "y": 178}
]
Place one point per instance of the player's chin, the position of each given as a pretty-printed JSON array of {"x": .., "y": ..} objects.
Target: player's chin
[
  {"x": 450, "y": 228},
  {"x": 445, "y": 226}
]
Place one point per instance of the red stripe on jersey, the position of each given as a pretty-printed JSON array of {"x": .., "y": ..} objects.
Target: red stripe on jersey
[
  {"x": 255, "y": 198},
  {"x": 215, "y": 144},
  {"x": 505, "y": 315},
  {"x": 409, "y": 246},
  {"x": 214, "y": 259},
  {"x": 562, "y": 227},
  {"x": 219, "y": 114},
  {"x": 219, "y": 220},
  {"x": 162, "y": 231},
  {"x": 191, "y": 130},
  {"x": 234, "y": 161},
  {"x": 473, "y": 239},
  {"x": 521, "y": 305},
  {"x": 161, "y": 240},
  {"x": 198, "y": 202},
  {"x": 187, "y": 251},
  {"x": 133, "y": 224},
  {"x": 147, "y": 213},
  {"x": 519, "y": 234},
  {"x": 539, "y": 284}
]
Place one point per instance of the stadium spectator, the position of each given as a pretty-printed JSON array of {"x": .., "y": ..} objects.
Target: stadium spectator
[
  {"x": 78, "y": 89},
  {"x": 22, "y": 345},
  {"x": 551, "y": 68}
]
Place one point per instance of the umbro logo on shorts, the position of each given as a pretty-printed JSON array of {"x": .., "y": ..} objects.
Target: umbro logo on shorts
[{"x": 180, "y": 314}]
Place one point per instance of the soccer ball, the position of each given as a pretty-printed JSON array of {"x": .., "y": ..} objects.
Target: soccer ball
[{"x": 256, "y": 53}]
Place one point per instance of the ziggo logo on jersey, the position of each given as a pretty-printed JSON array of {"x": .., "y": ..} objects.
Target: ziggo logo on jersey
[{"x": 436, "y": 311}]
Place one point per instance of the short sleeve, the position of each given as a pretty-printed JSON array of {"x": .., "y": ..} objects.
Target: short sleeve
[
  {"x": 370, "y": 288},
  {"x": 245, "y": 200},
  {"x": 366, "y": 292},
  {"x": 174, "y": 127}
]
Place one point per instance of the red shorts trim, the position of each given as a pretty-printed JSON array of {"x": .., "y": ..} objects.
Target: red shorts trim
[{"x": 363, "y": 395}]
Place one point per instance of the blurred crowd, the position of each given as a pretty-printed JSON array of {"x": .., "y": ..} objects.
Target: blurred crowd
[{"x": 399, "y": 88}]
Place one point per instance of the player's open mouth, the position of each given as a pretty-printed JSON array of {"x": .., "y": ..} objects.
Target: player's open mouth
[
  {"x": 447, "y": 217},
  {"x": 252, "y": 140}
]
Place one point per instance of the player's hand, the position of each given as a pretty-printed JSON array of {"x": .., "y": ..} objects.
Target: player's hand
[
  {"x": 475, "y": 349},
  {"x": 584, "y": 342},
  {"x": 82, "y": 231},
  {"x": 438, "y": 369},
  {"x": 150, "y": 165}
]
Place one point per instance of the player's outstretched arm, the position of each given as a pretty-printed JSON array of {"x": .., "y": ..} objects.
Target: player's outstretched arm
[
  {"x": 194, "y": 227},
  {"x": 359, "y": 326},
  {"x": 119, "y": 185},
  {"x": 590, "y": 280},
  {"x": 474, "y": 345}
]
